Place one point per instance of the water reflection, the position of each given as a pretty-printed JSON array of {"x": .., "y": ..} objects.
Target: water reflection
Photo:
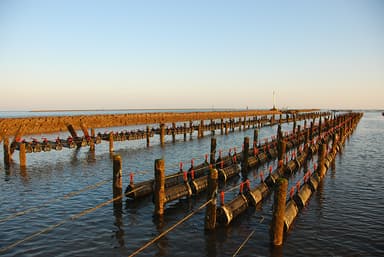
[{"x": 118, "y": 213}]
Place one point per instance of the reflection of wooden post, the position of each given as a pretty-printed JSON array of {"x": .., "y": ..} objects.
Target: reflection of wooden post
[
  {"x": 111, "y": 142},
  {"x": 7, "y": 153},
  {"x": 210, "y": 213},
  {"x": 22, "y": 155},
  {"x": 148, "y": 136},
  {"x": 162, "y": 133},
  {"x": 159, "y": 187},
  {"x": 226, "y": 127},
  {"x": 277, "y": 227}
]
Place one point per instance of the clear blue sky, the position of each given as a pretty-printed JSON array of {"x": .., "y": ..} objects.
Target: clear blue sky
[{"x": 191, "y": 54}]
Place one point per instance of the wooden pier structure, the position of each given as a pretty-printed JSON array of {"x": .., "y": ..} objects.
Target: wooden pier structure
[{"x": 169, "y": 124}]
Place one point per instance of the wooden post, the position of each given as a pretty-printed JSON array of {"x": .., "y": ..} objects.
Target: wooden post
[
  {"x": 213, "y": 127},
  {"x": 210, "y": 213},
  {"x": 294, "y": 125},
  {"x": 148, "y": 135},
  {"x": 277, "y": 226},
  {"x": 226, "y": 127},
  {"x": 240, "y": 124},
  {"x": 244, "y": 168},
  {"x": 162, "y": 133},
  {"x": 191, "y": 128},
  {"x": 72, "y": 131},
  {"x": 281, "y": 148},
  {"x": 201, "y": 129},
  {"x": 185, "y": 131},
  {"x": 84, "y": 129},
  {"x": 92, "y": 140},
  {"x": 111, "y": 142},
  {"x": 222, "y": 126},
  {"x": 321, "y": 170},
  {"x": 22, "y": 155},
  {"x": 212, "y": 159},
  {"x": 159, "y": 187},
  {"x": 255, "y": 137},
  {"x": 7, "y": 152},
  {"x": 311, "y": 131},
  {"x": 173, "y": 132},
  {"x": 117, "y": 173}
]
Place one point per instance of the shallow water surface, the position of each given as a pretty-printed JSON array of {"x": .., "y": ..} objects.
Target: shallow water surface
[{"x": 50, "y": 196}]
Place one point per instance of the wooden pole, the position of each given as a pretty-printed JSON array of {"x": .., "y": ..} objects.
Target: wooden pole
[
  {"x": 185, "y": 131},
  {"x": 191, "y": 128},
  {"x": 117, "y": 172},
  {"x": 173, "y": 132},
  {"x": 159, "y": 187},
  {"x": 210, "y": 213},
  {"x": 162, "y": 133},
  {"x": 148, "y": 135},
  {"x": 22, "y": 155},
  {"x": 111, "y": 149},
  {"x": 72, "y": 131},
  {"x": 244, "y": 168},
  {"x": 321, "y": 166},
  {"x": 84, "y": 129},
  {"x": 281, "y": 148},
  {"x": 255, "y": 137},
  {"x": 7, "y": 152},
  {"x": 212, "y": 159},
  {"x": 226, "y": 127},
  {"x": 277, "y": 226},
  {"x": 222, "y": 126}
]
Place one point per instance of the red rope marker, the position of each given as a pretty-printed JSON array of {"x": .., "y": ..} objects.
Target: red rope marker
[
  {"x": 192, "y": 174},
  {"x": 222, "y": 195},
  {"x": 241, "y": 187},
  {"x": 131, "y": 178},
  {"x": 181, "y": 166},
  {"x": 261, "y": 176},
  {"x": 270, "y": 170},
  {"x": 292, "y": 192},
  {"x": 185, "y": 176}
]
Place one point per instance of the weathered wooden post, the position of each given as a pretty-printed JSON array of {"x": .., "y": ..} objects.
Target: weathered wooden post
[
  {"x": 84, "y": 129},
  {"x": 22, "y": 155},
  {"x": 277, "y": 226},
  {"x": 311, "y": 131},
  {"x": 244, "y": 164},
  {"x": 210, "y": 213},
  {"x": 240, "y": 124},
  {"x": 159, "y": 187},
  {"x": 162, "y": 134},
  {"x": 71, "y": 130},
  {"x": 173, "y": 132},
  {"x": 201, "y": 129},
  {"x": 111, "y": 149},
  {"x": 117, "y": 175},
  {"x": 212, "y": 159},
  {"x": 191, "y": 128},
  {"x": 148, "y": 135},
  {"x": 226, "y": 127},
  {"x": 185, "y": 131},
  {"x": 321, "y": 170},
  {"x": 92, "y": 140},
  {"x": 255, "y": 137},
  {"x": 7, "y": 152},
  {"x": 222, "y": 126}
]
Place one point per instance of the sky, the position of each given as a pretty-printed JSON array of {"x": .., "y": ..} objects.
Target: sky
[{"x": 89, "y": 54}]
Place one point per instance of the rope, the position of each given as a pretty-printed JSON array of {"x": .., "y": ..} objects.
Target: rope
[
  {"x": 50, "y": 228},
  {"x": 245, "y": 241},
  {"x": 169, "y": 229},
  {"x": 64, "y": 197}
]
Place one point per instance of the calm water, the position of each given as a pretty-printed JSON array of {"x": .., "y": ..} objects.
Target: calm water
[{"x": 345, "y": 217}]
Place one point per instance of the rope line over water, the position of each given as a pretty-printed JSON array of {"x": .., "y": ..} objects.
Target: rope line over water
[
  {"x": 169, "y": 229},
  {"x": 50, "y": 228},
  {"x": 64, "y": 197}
]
